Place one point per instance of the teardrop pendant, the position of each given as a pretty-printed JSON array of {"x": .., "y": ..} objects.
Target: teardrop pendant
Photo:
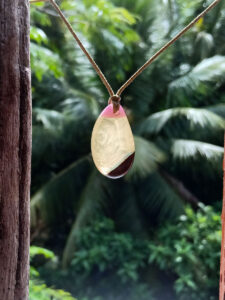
[{"x": 112, "y": 143}]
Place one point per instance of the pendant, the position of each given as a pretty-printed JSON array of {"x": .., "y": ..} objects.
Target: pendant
[{"x": 112, "y": 142}]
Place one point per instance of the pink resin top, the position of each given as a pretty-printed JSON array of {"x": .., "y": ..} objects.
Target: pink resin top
[{"x": 108, "y": 112}]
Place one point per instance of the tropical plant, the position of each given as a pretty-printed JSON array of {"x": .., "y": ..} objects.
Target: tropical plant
[
  {"x": 176, "y": 109},
  {"x": 38, "y": 289},
  {"x": 179, "y": 262},
  {"x": 106, "y": 263},
  {"x": 190, "y": 248}
]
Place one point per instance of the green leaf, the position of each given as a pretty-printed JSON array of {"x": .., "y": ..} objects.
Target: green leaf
[
  {"x": 147, "y": 158},
  {"x": 44, "y": 62},
  {"x": 159, "y": 199},
  {"x": 34, "y": 250},
  {"x": 38, "y": 35},
  {"x": 91, "y": 201},
  {"x": 210, "y": 70},
  {"x": 58, "y": 197},
  {"x": 186, "y": 149},
  {"x": 194, "y": 116}
]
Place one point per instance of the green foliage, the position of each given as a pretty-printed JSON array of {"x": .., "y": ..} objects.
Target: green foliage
[
  {"x": 147, "y": 158},
  {"x": 194, "y": 116},
  {"x": 100, "y": 246},
  {"x": 162, "y": 130},
  {"x": 176, "y": 110},
  {"x": 191, "y": 250},
  {"x": 44, "y": 61},
  {"x": 106, "y": 263},
  {"x": 185, "y": 251},
  {"x": 184, "y": 149},
  {"x": 38, "y": 290},
  {"x": 34, "y": 251},
  {"x": 38, "y": 35},
  {"x": 103, "y": 19},
  {"x": 197, "y": 80}
]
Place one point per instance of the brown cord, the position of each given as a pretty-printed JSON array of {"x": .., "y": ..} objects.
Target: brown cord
[
  {"x": 115, "y": 100},
  {"x": 95, "y": 66},
  {"x": 139, "y": 71}
]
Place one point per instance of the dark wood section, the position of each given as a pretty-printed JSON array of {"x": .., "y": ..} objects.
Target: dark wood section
[{"x": 123, "y": 168}]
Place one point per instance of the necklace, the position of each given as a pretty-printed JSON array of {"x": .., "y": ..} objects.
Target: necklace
[{"x": 112, "y": 142}]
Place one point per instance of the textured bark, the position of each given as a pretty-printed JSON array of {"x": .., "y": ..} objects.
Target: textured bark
[
  {"x": 15, "y": 149},
  {"x": 222, "y": 257}
]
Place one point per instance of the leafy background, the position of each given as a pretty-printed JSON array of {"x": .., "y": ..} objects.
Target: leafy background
[{"x": 154, "y": 234}]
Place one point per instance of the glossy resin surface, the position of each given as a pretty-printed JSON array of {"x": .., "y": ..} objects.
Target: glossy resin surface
[{"x": 112, "y": 143}]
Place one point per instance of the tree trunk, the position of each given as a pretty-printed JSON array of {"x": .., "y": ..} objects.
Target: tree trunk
[
  {"x": 15, "y": 149},
  {"x": 222, "y": 257}
]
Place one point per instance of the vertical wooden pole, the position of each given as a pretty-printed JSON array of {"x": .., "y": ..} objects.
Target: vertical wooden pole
[
  {"x": 222, "y": 259},
  {"x": 15, "y": 149}
]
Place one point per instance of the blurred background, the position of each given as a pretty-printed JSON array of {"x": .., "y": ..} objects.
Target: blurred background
[{"x": 155, "y": 234}]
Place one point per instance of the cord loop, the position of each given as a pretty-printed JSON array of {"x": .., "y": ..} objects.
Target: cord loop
[{"x": 115, "y": 101}]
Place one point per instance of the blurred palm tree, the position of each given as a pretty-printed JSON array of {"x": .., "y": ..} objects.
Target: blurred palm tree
[{"x": 176, "y": 109}]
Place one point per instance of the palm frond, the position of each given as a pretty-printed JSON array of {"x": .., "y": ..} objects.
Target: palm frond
[
  {"x": 180, "y": 189},
  {"x": 188, "y": 149},
  {"x": 204, "y": 44},
  {"x": 158, "y": 199},
  {"x": 49, "y": 119},
  {"x": 209, "y": 70},
  {"x": 147, "y": 158},
  {"x": 194, "y": 116},
  {"x": 48, "y": 134},
  {"x": 55, "y": 132},
  {"x": 117, "y": 200},
  {"x": 218, "y": 109},
  {"x": 92, "y": 199},
  {"x": 219, "y": 31},
  {"x": 127, "y": 207},
  {"x": 56, "y": 200},
  {"x": 80, "y": 101}
]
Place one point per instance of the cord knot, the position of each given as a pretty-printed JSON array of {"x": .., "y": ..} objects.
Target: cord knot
[{"x": 115, "y": 101}]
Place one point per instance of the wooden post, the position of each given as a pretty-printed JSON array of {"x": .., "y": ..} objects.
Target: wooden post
[
  {"x": 15, "y": 149},
  {"x": 222, "y": 259}
]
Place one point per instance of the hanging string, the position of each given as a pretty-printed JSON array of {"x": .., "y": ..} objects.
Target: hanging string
[
  {"x": 115, "y": 98},
  {"x": 92, "y": 61},
  {"x": 153, "y": 58},
  {"x": 140, "y": 70},
  {"x": 148, "y": 62}
]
